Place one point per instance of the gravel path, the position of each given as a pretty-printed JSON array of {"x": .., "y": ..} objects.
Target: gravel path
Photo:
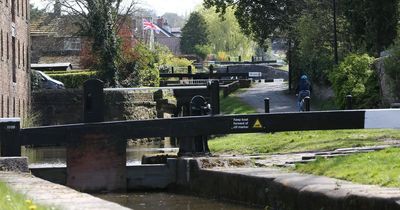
[{"x": 280, "y": 100}]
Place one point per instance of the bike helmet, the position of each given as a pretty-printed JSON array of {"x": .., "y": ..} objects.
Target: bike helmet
[{"x": 304, "y": 77}]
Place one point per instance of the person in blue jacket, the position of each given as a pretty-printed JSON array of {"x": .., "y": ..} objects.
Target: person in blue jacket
[{"x": 303, "y": 89}]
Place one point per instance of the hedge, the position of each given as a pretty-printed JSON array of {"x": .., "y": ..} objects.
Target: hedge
[{"x": 73, "y": 79}]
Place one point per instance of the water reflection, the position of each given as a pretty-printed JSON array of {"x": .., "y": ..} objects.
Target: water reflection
[
  {"x": 56, "y": 156},
  {"x": 168, "y": 201}
]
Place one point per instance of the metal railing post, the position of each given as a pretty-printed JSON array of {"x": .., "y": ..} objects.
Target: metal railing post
[
  {"x": 307, "y": 100},
  {"x": 349, "y": 102},
  {"x": 266, "y": 105}
]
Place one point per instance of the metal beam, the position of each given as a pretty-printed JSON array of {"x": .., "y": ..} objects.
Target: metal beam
[{"x": 197, "y": 125}]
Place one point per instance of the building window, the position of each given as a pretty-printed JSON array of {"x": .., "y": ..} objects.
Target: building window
[
  {"x": 8, "y": 50},
  {"x": 2, "y": 106},
  {"x": 17, "y": 8},
  {"x": 13, "y": 107},
  {"x": 13, "y": 10},
  {"x": 23, "y": 54},
  {"x": 22, "y": 5},
  {"x": 19, "y": 55},
  {"x": 8, "y": 106},
  {"x": 1, "y": 44},
  {"x": 72, "y": 44},
  {"x": 13, "y": 61}
]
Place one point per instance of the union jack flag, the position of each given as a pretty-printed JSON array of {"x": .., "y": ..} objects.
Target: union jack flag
[{"x": 147, "y": 25}]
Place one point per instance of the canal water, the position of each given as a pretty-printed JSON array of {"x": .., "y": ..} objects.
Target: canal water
[
  {"x": 168, "y": 201},
  {"x": 56, "y": 157}
]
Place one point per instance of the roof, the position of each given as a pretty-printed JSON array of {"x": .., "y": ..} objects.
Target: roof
[
  {"x": 50, "y": 65},
  {"x": 50, "y": 24}
]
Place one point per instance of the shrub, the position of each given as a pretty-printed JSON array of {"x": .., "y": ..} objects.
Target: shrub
[
  {"x": 73, "y": 80},
  {"x": 355, "y": 76}
]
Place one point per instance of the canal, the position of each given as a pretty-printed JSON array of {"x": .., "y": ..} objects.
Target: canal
[{"x": 56, "y": 157}]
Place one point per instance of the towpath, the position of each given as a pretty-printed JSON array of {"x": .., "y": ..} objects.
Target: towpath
[{"x": 277, "y": 92}]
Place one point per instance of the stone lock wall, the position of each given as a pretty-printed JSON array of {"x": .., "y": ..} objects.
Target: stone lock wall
[{"x": 56, "y": 107}]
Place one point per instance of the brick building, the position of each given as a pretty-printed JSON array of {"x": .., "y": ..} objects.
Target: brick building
[{"x": 14, "y": 58}]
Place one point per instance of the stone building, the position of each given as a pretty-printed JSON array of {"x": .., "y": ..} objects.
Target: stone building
[{"x": 14, "y": 58}]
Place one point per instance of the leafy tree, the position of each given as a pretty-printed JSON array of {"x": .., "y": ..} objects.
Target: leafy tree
[
  {"x": 356, "y": 77},
  {"x": 259, "y": 19},
  {"x": 372, "y": 24},
  {"x": 225, "y": 34},
  {"x": 392, "y": 68},
  {"x": 99, "y": 20},
  {"x": 138, "y": 67},
  {"x": 194, "y": 33}
]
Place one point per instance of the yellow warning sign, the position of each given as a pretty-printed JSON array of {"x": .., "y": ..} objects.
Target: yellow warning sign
[{"x": 257, "y": 124}]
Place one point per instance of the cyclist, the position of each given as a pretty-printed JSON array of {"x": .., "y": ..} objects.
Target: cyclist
[{"x": 303, "y": 89}]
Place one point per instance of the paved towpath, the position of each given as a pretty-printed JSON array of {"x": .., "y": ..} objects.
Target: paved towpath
[{"x": 277, "y": 92}]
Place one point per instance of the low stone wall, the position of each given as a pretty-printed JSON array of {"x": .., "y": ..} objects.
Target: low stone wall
[{"x": 54, "y": 107}]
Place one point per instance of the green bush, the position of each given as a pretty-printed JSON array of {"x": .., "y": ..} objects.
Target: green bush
[
  {"x": 73, "y": 80},
  {"x": 355, "y": 76}
]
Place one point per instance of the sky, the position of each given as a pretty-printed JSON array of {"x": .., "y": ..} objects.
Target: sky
[{"x": 181, "y": 7}]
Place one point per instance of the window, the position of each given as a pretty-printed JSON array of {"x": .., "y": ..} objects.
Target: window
[
  {"x": 13, "y": 10},
  {"x": 22, "y": 5},
  {"x": 13, "y": 61},
  {"x": 1, "y": 44},
  {"x": 2, "y": 106},
  {"x": 23, "y": 54},
  {"x": 17, "y": 8},
  {"x": 19, "y": 55},
  {"x": 72, "y": 44},
  {"x": 8, "y": 50}
]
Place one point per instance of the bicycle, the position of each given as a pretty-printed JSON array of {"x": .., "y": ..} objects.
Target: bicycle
[{"x": 301, "y": 102}]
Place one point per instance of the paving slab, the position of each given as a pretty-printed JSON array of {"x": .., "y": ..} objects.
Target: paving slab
[{"x": 54, "y": 195}]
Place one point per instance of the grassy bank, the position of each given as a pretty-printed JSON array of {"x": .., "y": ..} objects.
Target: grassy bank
[
  {"x": 233, "y": 105},
  {"x": 12, "y": 200},
  {"x": 378, "y": 168},
  {"x": 297, "y": 141}
]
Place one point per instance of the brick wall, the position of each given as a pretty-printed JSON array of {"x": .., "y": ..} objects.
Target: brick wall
[{"x": 14, "y": 58}]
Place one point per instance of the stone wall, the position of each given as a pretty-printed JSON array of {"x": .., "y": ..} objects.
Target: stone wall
[
  {"x": 384, "y": 84},
  {"x": 55, "y": 107}
]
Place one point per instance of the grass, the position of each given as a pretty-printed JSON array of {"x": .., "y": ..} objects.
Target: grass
[
  {"x": 11, "y": 200},
  {"x": 233, "y": 105},
  {"x": 299, "y": 141},
  {"x": 378, "y": 168}
]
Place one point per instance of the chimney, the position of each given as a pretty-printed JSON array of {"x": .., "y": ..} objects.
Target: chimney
[
  {"x": 160, "y": 21},
  {"x": 57, "y": 8}
]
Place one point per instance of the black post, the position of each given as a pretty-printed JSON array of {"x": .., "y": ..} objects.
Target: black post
[
  {"x": 240, "y": 58},
  {"x": 349, "y": 102},
  {"x": 189, "y": 69},
  {"x": 172, "y": 69},
  {"x": 307, "y": 100},
  {"x": 93, "y": 101},
  {"x": 252, "y": 59},
  {"x": 211, "y": 69},
  {"x": 9, "y": 137},
  {"x": 227, "y": 69},
  {"x": 266, "y": 105},
  {"x": 214, "y": 96}
]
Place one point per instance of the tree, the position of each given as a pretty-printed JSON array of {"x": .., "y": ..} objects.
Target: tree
[
  {"x": 225, "y": 34},
  {"x": 99, "y": 20},
  {"x": 372, "y": 24},
  {"x": 194, "y": 33},
  {"x": 259, "y": 19},
  {"x": 36, "y": 13}
]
